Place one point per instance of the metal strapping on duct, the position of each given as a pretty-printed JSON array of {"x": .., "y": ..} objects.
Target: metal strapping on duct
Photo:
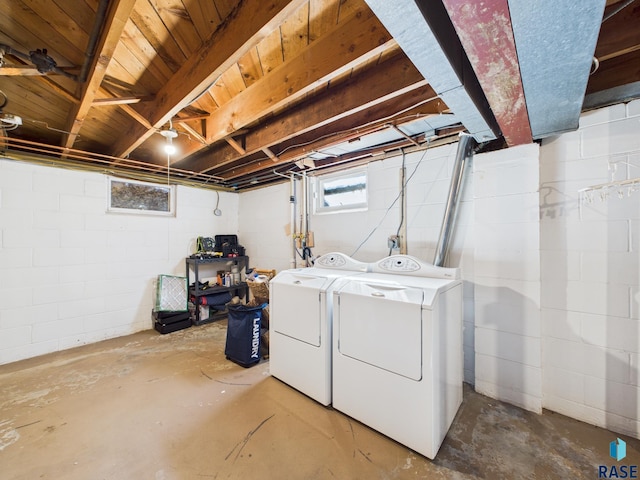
[{"x": 464, "y": 152}]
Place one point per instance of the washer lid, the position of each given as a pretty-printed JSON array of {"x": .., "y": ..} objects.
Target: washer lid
[{"x": 381, "y": 325}]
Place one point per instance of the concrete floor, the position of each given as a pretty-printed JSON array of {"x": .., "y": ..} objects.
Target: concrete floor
[{"x": 150, "y": 406}]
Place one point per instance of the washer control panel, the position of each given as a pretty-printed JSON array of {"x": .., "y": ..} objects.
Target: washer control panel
[
  {"x": 399, "y": 264},
  {"x": 340, "y": 261},
  {"x": 408, "y": 265}
]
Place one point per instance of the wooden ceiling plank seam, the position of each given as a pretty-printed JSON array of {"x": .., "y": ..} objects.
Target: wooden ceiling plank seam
[
  {"x": 142, "y": 49},
  {"x": 219, "y": 92},
  {"x": 64, "y": 52},
  {"x": 323, "y": 17},
  {"x": 225, "y": 7},
  {"x": 486, "y": 34},
  {"x": 396, "y": 78},
  {"x": 179, "y": 24},
  {"x": 60, "y": 21},
  {"x": 347, "y": 8},
  {"x": 250, "y": 67},
  {"x": 233, "y": 80},
  {"x": 295, "y": 33},
  {"x": 11, "y": 38},
  {"x": 119, "y": 80},
  {"x": 351, "y": 43},
  {"x": 136, "y": 71},
  {"x": 204, "y": 103},
  {"x": 204, "y": 16},
  {"x": 270, "y": 52},
  {"x": 154, "y": 30},
  {"x": 79, "y": 12},
  {"x": 61, "y": 91},
  {"x": 117, "y": 16},
  {"x": 252, "y": 21}
]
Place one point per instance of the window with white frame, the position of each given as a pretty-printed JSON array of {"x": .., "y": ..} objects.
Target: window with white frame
[{"x": 341, "y": 191}]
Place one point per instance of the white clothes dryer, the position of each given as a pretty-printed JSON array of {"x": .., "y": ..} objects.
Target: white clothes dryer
[
  {"x": 300, "y": 320},
  {"x": 397, "y": 350}
]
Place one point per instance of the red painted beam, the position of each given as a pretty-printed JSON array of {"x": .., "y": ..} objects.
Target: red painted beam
[{"x": 484, "y": 28}]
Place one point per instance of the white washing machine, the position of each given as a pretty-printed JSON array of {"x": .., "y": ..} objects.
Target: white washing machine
[
  {"x": 397, "y": 350},
  {"x": 300, "y": 319}
]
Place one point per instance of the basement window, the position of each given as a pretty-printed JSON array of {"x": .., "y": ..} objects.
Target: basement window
[
  {"x": 131, "y": 196},
  {"x": 341, "y": 192}
]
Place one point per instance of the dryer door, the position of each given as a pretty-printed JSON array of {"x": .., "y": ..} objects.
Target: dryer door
[
  {"x": 381, "y": 325},
  {"x": 295, "y": 308}
]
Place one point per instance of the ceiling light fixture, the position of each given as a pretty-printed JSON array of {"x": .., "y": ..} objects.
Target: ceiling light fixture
[{"x": 169, "y": 134}]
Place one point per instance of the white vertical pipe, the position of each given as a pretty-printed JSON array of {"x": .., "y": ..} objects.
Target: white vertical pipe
[
  {"x": 292, "y": 202},
  {"x": 404, "y": 250}
]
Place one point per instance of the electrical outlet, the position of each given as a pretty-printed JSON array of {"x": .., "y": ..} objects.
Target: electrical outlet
[{"x": 393, "y": 242}]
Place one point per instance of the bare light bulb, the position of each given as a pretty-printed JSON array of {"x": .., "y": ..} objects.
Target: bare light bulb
[
  {"x": 169, "y": 147},
  {"x": 169, "y": 134}
]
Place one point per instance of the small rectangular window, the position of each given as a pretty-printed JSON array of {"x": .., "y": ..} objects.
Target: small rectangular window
[
  {"x": 341, "y": 191},
  {"x": 132, "y": 196}
]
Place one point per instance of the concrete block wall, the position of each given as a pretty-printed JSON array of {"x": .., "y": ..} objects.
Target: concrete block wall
[
  {"x": 72, "y": 274},
  {"x": 590, "y": 258},
  {"x": 507, "y": 276}
]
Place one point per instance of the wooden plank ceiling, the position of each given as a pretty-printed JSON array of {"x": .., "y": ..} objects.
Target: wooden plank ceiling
[{"x": 250, "y": 86}]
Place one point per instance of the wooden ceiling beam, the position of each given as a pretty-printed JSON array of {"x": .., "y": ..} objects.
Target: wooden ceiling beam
[
  {"x": 102, "y": 102},
  {"x": 253, "y": 21},
  {"x": 117, "y": 16},
  {"x": 352, "y": 42},
  {"x": 400, "y": 109},
  {"x": 192, "y": 131},
  {"x": 19, "y": 71},
  {"x": 386, "y": 81},
  {"x": 236, "y": 145}
]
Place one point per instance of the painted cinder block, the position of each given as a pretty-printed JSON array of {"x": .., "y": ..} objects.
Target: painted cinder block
[
  {"x": 512, "y": 382},
  {"x": 521, "y": 319},
  {"x": 612, "y": 397},
  {"x": 508, "y": 264},
  {"x": 610, "y": 267},
  {"x": 520, "y": 208},
  {"x": 613, "y": 138},
  {"x": 561, "y": 324},
  {"x": 633, "y": 108},
  {"x": 508, "y": 346},
  {"x": 516, "y": 237},
  {"x": 564, "y": 384},
  {"x": 557, "y": 149},
  {"x": 15, "y": 337},
  {"x": 602, "y": 115},
  {"x": 557, "y": 265},
  {"x": 52, "y": 330}
]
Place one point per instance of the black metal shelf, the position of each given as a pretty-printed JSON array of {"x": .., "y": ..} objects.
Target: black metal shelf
[{"x": 194, "y": 291}]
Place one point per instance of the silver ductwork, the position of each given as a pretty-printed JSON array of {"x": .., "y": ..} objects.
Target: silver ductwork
[{"x": 463, "y": 154}]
